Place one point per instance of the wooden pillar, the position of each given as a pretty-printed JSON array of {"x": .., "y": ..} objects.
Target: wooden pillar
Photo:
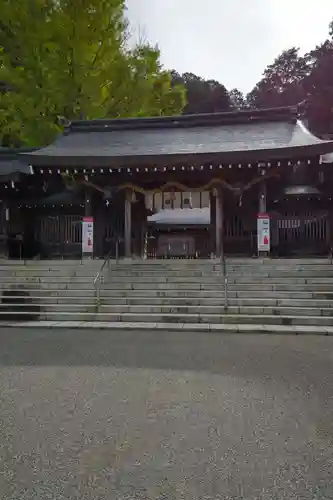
[
  {"x": 219, "y": 221},
  {"x": 143, "y": 228},
  {"x": 212, "y": 228},
  {"x": 87, "y": 203},
  {"x": 5, "y": 220},
  {"x": 101, "y": 247},
  {"x": 330, "y": 232},
  {"x": 128, "y": 225},
  {"x": 138, "y": 222}
]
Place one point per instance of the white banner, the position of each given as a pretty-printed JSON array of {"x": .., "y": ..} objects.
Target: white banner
[
  {"x": 263, "y": 233},
  {"x": 87, "y": 235}
]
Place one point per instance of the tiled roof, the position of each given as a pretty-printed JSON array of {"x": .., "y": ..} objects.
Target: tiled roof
[
  {"x": 262, "y": 134},
  {"x": 11, "y": 162}
]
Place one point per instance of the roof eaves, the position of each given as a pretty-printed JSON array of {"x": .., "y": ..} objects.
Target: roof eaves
[{"x": 79, "y": 160}]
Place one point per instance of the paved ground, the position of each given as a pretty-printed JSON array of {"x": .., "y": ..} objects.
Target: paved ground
[
  {"x": 202, "y": 327},
  {"x": 118, "y": 415}
]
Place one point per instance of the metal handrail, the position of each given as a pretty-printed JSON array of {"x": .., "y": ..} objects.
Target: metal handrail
[
  {"x": 99, "y": 278},
  {"x": 107, "y": 261},
  {"x": 225, "y": 278},
  {"x": 100, "y": 272}
]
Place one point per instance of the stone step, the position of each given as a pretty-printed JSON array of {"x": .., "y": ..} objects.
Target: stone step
[
  {"x": 282, "y": 307},
  {"x": 140, "y": 262},
  {"x": 46, "y": 287},
  {"x": 213, "y": 301},
  {"x": 255, "y": 264},
  {"x": 217, "y": 267},
  {"x": 256, "y": 270},
  {"x": 245, "y": 319},
  {"x": 51, "y": 273},
  {"x": 49, "y": 264},
  {"x": 152, "y": 285},
  {"x": 232, "y": 287},
  {"x": 242, "y": 290},
  {"x": 165, "y": 279},
  {"x": 280, "y": 287},
  {"x": 47, "y": 279},
  {"x": 171, "y": 292},
  {"x": 180, "y": 327},
  {"x": 316, "y": 298},
  {"x": 277, "y": 280},
  {"x": 279, "y": 266},
  {"x": 52, "y": 305},
  {"x": 51, "y": 292},
  {"x": 233, "y": 261},
  {"x": 197, "y": 273},
  {"x": 154, "y": 268},
  {"x": 55, "y": 299},
  {"x": 217, "y": 278},
  {"x": 216, "y": 309},
  {"x": 38, "y": 270},
  {"x": 181, "y": 275},
  {"x": 176, "y": 294},
  {"x": 173, "y": 318},
  {"x": 195, "y": 294},
  {"x": 145, "y": 281}
]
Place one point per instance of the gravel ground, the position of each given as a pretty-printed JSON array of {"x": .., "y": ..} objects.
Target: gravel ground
[{"x": 117, "y": 415}]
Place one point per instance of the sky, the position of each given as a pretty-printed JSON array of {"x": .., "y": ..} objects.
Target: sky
[{"x": 231, "y": 41}]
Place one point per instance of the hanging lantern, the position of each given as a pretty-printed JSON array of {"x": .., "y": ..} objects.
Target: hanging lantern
[
  {"x": 298, "y": 179},
  {"x": 301, "y": 190}
]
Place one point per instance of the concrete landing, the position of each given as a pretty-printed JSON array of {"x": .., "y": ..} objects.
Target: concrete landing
[{"x": 203, "y": 327}]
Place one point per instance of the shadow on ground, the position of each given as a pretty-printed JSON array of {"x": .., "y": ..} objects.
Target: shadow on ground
[{"x": 244, "y": 355}]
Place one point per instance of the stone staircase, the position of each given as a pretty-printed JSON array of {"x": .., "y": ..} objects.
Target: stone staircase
[
  {"x": 275, "y": 293},
  {"x": 47, "y": 290},
  {"x": 263, "y": 292}
]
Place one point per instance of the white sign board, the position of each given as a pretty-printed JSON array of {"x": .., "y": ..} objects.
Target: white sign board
[
  {"x": 87, "y": 235},
  {"x": 263, "y": 233}
]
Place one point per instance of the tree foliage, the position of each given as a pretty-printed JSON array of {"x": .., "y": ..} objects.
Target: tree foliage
[
  {"x": 60, "y": 58},
  {"x": 203, "y": 96},
  {"x": 318, "y": 89},
  {"x": 305, "y": 80},
  {"x": 237, "y": 99},
  {"x": 281, "y": 84}
]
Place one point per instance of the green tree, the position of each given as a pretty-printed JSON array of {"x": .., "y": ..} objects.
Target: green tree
[
  {"x": 318, "y": 105},
  {"x": 203, "y": 96},
  {"x": 282, "y": 82},
  {"x": 237, "y": 99},
  {"x": 66, "y": 59},
  {"x": 306, "y": 81}
]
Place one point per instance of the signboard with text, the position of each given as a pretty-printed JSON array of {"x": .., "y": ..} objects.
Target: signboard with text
[
  {"x": 263, "y": 233},
  {"x": 88, "y": 235}
]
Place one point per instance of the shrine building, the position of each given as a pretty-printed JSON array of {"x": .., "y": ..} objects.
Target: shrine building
[{"x": 188, "y": 186}]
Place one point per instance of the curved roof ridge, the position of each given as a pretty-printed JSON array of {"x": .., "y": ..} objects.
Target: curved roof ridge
[{"x": 289, "y": 114}]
